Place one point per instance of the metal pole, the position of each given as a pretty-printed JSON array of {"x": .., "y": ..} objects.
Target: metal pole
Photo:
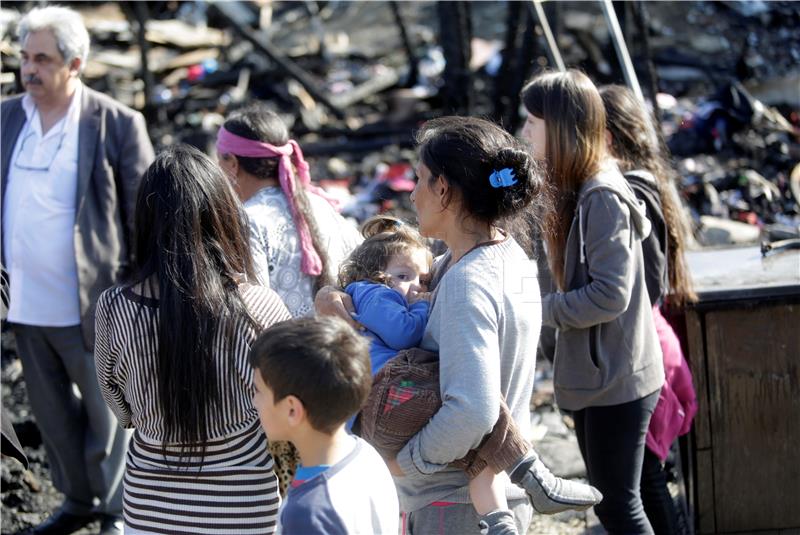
[
  {"x": 552, "y": 46},
  {"x": 621, "y": 48},
  {"x": 413, "y": 69},
  {"x": 652, "y": 75}
]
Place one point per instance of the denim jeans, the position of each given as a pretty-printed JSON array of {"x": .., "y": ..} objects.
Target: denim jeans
[{"x": 657, "y": 500}]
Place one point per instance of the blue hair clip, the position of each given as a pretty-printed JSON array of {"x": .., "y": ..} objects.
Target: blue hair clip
[{"x": 502, "y": 178}]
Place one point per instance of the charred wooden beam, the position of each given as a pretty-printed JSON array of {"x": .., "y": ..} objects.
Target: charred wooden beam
[{"x": 283, "y": 63}]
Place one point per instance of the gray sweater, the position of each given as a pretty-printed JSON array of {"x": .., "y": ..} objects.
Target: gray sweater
[
  {"x": 607, "y": 351},
  {"x": 485, "y": 325}
]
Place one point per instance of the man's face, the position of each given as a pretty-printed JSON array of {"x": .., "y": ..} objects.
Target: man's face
[{"x": 45, "y": 75}]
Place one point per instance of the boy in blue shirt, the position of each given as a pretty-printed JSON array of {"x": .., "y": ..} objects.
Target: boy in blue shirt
[{"x": 311, "y": 375}]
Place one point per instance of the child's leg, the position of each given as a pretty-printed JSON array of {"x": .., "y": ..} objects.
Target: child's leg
[
  {"x": 505, "y": 449},
  {"x": 487, "y": 492},
  {"x": 488, "y": 495}
]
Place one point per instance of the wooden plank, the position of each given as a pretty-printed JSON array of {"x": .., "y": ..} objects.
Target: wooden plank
[
  {"x": 696, "y": 357},
  {"x": 754, "y": 402},
  {"x": 704, "y": 476}
]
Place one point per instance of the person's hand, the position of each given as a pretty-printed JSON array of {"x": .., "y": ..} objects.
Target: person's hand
[
  {"x": 332, "y": 302},
  {"x": 394, "y": 467},
  {"x": 414, "y": 296}
]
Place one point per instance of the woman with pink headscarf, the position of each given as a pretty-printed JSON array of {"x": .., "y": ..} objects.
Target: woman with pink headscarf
[{"x": 298, "y": 239}]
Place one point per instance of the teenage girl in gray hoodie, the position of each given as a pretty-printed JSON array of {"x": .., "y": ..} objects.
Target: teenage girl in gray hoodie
[{"x": 608, "y": 367}]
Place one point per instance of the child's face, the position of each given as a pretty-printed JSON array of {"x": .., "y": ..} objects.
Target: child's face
[
  {"x": 409, "y": 272},
  {"x": 273, "y": 416}
]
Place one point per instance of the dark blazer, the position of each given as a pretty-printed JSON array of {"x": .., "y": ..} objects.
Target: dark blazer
[{"x": 113, "y": 152}]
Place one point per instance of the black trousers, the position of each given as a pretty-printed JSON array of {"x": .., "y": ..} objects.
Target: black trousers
[
  {"x": 612, "y": 442},
  {"x": 657, "y": 500}
]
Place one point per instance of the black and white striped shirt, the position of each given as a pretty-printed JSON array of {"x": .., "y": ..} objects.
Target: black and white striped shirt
[{"x": 235, "y": 491}]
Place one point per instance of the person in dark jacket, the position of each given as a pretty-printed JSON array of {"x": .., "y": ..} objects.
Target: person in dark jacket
[{"x": 635, "y": 144}]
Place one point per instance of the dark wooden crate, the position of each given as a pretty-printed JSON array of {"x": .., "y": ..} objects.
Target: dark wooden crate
[{"x": 745, "y": 359}]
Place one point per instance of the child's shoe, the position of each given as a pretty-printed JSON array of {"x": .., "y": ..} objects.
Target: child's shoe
[
  {"x": 499, "y": 522},
  {"x": 550, "y": 494}
]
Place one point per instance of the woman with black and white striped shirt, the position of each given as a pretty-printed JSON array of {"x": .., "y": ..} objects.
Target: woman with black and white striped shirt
[{"x": 171, "y": 356}]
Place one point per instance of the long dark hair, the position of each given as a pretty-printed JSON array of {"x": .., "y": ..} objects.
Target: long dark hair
[
  {"x": 261, "y": 124},
  {"x": 635, "y": 144},
  {"x": 192, "y": 251},
  {"x": 466, "y": 152},
  {"x": 575, "y": 120}
]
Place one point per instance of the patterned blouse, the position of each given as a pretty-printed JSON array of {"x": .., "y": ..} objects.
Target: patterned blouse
[{"x": 276, "y": 246}]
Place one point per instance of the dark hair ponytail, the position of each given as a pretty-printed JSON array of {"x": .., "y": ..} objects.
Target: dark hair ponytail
[
  {"x": 531, "y": 191},
  {"x": 493, "y": 174},
  {"x": 636, "y": 144}
]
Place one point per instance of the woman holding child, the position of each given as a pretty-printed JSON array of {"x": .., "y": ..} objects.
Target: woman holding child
[
  {"x": 172, "y": 364},
  {"x": 485, "y": 319},
  {"x": 473, "y": 179}
]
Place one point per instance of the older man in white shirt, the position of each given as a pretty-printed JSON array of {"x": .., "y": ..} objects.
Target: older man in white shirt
[{"x": 71, "y": 164}]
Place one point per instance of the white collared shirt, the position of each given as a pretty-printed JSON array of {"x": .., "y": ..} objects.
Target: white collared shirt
[{"x": 39, "y": 220}]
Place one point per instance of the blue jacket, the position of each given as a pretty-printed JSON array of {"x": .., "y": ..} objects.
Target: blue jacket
[{"x": 390, "y": 321}]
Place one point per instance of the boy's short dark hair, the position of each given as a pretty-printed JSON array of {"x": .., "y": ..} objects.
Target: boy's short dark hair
[{"x": 320, "y": 360}]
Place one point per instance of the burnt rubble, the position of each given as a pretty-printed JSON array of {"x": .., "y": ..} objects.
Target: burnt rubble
[{"x": 728, "y": 93}]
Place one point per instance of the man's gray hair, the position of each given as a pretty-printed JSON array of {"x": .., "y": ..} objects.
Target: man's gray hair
[{"x": 67, "y": 27}]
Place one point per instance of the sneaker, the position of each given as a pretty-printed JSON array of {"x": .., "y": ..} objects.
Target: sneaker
[{"x": 550, "y": 494}]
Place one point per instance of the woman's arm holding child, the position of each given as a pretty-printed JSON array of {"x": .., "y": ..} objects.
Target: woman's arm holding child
[{"x": 469, "y": 358}]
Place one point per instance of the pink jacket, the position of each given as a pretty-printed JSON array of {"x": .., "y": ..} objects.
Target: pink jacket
[{"x": 677, "y": 403}]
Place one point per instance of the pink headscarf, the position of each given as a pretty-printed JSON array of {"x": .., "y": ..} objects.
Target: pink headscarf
[{"x": 229, "y": 143}]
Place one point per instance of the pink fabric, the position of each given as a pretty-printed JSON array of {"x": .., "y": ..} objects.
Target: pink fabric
[
  {"x": 677, "y": 403},
  {"x": 229, "y": 143}
]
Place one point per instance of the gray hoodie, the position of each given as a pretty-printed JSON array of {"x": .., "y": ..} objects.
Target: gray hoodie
[{"x": 607, "y": 351}]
